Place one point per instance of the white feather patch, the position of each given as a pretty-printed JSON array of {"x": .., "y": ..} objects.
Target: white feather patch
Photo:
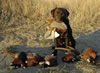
[
  {"x": 88, "y": 60},
  {"x": 47, "y": 62}
]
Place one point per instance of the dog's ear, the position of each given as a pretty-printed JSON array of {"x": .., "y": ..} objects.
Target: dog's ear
[
  {"x": 66, "y": 12},
  {"x": 53, "y": 11}
]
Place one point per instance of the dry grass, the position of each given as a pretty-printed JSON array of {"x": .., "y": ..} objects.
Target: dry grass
[
  {"x": 20, "y": 20},
  {"x": 83, "y": 14}
]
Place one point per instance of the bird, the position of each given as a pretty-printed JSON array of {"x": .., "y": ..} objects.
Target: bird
[
  {"x": 71, "y": 56},
  {"x": 89, "y": 55},
  {"x": 31, "y": 62},
  {"x": 49, "y": 61},
  {"x": 68, "y": 57},
  {"x": 16, "y": 63},
  {"x": 33, "y": 59}
]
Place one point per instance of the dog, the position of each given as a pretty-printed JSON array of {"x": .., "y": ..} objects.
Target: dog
[{"x": 60, "y": 15}]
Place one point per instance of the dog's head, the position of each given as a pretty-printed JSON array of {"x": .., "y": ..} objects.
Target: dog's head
[{"x": 59, "y": 13}]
